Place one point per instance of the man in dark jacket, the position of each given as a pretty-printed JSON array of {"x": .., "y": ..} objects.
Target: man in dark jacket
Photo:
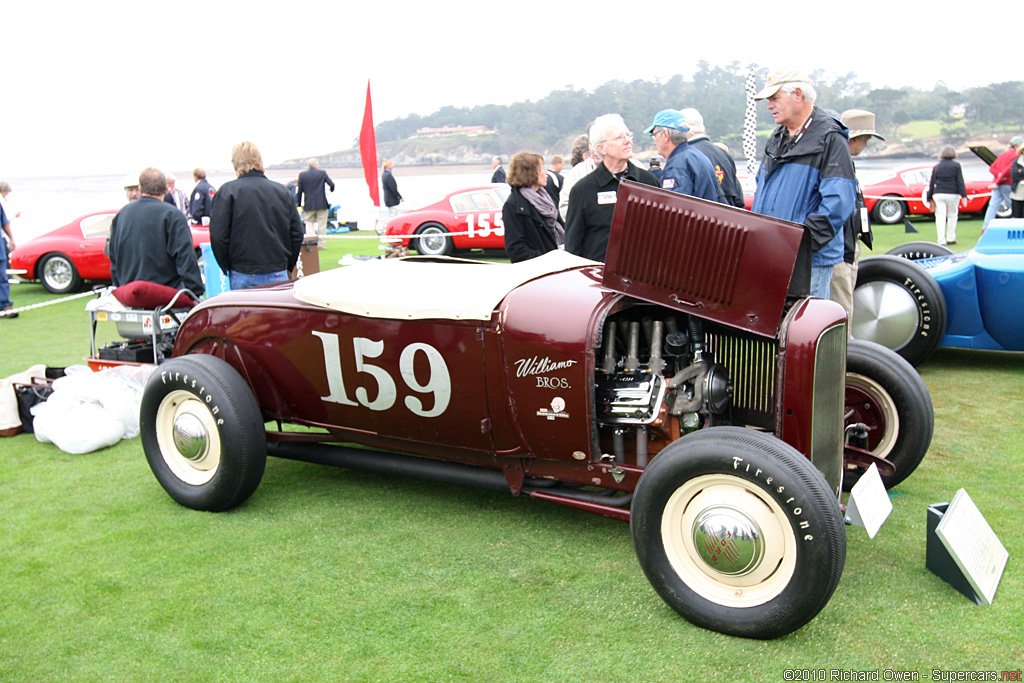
[
  {"x": 150, "y": 240},
  {"x": 201, "y": 199},
  {"x": 255, "y": 230},
  {"x": 499, "y": 171},
  {"x": 315, "y": 206},
  {"x": 392, "y": 198},
  {"x": 686, "y": 170},
  {"x": 592, "y": 199},
  {"x": 724, "y": 165},
  {"x": 807, "y": 174}
]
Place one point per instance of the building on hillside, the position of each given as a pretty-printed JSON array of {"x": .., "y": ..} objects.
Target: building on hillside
[{"x": 452, "y": 130}]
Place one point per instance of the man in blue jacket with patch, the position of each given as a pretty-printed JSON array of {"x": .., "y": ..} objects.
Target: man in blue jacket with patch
[
  {"x": 686, "y": 170},
  {"x": 807, "y": 174}
]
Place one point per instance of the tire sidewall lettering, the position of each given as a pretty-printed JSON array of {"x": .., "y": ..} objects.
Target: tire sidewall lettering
[
  {"x": 183, "y": 382},
  {"x": 789, "y": 504}
]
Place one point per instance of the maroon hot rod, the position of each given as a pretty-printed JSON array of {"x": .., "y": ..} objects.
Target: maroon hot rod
[{"x": 688, "y": 386}]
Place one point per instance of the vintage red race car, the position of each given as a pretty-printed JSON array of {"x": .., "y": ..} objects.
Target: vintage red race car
[
  {"x": 699, "y": 398},
  {"x": 65, "y": 258},
  {"x": 893, "y": 195},
  {"x": 467, "y": 219}
]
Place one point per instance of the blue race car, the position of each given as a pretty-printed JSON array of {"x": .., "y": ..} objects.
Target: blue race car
[{"x": 921, "y": 296}]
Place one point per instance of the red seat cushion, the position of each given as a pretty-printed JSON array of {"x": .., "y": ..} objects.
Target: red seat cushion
[{"x": 143, "y": 294}]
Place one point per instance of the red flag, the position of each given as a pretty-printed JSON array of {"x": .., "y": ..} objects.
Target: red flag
[{"x": 368, "y": 149}]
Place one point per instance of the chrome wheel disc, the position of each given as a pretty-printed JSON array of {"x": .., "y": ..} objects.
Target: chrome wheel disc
[
  {"x": 885, "y": 313},
  {"x": 188, "y": 437}
]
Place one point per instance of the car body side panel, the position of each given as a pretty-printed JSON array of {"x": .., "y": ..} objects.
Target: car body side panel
[{"x": 408, "y": 381}]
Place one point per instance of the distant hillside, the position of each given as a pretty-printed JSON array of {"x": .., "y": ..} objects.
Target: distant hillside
[{"x": 550, "y": 124}]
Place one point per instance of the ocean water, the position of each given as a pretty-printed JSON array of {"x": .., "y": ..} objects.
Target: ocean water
[{"x": 47, "y": 203}]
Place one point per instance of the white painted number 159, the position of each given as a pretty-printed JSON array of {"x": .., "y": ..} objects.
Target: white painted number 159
[{"x": 438, "y": 383}]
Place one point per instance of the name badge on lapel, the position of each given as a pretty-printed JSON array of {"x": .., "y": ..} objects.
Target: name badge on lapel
[{"x": 606, "y": 197}]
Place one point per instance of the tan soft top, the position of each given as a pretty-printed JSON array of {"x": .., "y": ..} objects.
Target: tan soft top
[{"x": 416, "y": 288}]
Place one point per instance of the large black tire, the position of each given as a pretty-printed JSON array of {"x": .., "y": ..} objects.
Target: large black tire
[
  {"x": 58, "y": 274},
  {"x": 897, "y": 304},
  {"x": 885, "y": 393},
  {"x": 889, "y": 210},
  {"x": 433, "y": 240},
  {"x": 915, "y": 251},
  {"x": 203, "y": 433},
  {"x": 738, "y": 532}
]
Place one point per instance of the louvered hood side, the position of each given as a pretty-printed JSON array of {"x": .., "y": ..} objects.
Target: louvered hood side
[{"x": 718, "y": 262}]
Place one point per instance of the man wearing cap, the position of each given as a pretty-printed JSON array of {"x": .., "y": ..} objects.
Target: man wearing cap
[
  {"x": 725, "y": 167},
  {"x": 807, "y": 174},
  {"x": 1000, "y": 170},
  {"x": 131, "y": 187},
  {"x": 857, "y": 229},
  {"x": 686, "y": 170},
  {"x": 592, "y": 199}
]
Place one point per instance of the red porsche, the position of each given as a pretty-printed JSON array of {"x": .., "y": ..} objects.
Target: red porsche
[{"x": 465, "y": 219}]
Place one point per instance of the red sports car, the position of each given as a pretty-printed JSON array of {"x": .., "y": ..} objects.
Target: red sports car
[
  {"x": 466, "y": 219},
  {"x": 63, "y": 259},
  {"x": 894, "y": 194}
]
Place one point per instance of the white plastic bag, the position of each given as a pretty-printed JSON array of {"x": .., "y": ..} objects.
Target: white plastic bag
[{"x": 92, "y": 410}]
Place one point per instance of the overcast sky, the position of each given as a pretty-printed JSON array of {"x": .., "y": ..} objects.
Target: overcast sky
[{"x": 114, "y": 86}]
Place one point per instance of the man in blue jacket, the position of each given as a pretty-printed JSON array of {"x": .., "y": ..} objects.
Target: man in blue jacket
[
  {"x": 807, "y": 174},
  {"x": 686, "y": 170},
  {"x": 314, "y": 206}
]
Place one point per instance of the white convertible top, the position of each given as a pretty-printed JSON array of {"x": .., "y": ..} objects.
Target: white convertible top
[{"x": 417, "y": 288}]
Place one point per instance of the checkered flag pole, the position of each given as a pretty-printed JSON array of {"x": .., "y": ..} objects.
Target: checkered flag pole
[{"x": 750, "y": 127}]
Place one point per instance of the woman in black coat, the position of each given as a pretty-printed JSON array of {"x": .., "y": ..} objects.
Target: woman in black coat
[
  {"x": 532, "y": 224},
  {"x": 945, "y": 193}
]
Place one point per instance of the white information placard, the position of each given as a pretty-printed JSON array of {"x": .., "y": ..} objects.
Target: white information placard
[
  {"x": 973, "y": 545},
  {"x": 869, "y": 505}
]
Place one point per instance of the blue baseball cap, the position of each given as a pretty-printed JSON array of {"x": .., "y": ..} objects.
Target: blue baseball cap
[{"x": 668, "y": 118}]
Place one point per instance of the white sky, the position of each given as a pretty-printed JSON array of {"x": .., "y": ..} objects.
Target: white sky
[{"x": 114, "y": 86}]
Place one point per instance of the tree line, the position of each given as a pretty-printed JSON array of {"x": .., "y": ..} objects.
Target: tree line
[{"x": 719, "y": 93}]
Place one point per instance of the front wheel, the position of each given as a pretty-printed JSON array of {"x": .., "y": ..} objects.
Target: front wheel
[
  {"x": 887, "y": 395},
  {"x": 915, "y": 251},
  {"x": 203, "y": 433},
  {"x": 897, "y": 304},
  {"x": 738, "y": 532},
  {"x": 59, "y": 275},
  {"x": 433, "y": 240},
  {"x": 889, "y": 210}
]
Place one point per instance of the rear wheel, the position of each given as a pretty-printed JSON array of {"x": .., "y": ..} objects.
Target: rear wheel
[
  {"x": 889, "y": 210},
  {"x": 59, "y": 275},
  {"x": 433, "y": 240},
  {"x": 203, "y": 433},
  {"x": 888, "y": 396},
  {"x": 738, "y": 532},
  {"x": 899, "y": 305}
]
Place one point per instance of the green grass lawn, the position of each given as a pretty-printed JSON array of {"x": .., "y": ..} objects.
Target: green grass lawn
[{"x": 333, "y": 575}]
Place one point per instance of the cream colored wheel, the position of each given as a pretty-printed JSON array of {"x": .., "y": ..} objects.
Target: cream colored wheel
[
  {"x": 202, "y": 430},
  {"x": 738, "y": 532},
  {"x": 188, "y": 438},
  {"x": 874, "y": 404},
  {"x": 728, "y": 541}
]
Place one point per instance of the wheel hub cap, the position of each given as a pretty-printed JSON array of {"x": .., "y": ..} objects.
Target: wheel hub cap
[
  {"x": 190, "y": 437},
  {"x": 728, "y": 540}
]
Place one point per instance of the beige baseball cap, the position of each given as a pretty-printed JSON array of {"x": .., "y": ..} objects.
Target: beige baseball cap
[{"x": 779, "y": 78}]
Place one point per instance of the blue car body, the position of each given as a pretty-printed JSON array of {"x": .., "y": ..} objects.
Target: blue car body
[{"x": 984, "y": 290}]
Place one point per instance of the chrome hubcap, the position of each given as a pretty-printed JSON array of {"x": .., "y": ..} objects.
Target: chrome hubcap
[
  {"x": 728, "y": 540},
  {"x": 190, "y": 438},
  {"x": 884, "y": 313}
]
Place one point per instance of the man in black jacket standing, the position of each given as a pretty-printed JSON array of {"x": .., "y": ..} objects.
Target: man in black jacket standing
[
  {"x": 150, "y": 240},
  {"x": 392, "y": 198},
  {"x": 314, "y": 209},
  {"x": 255, "y": 230},
  {"x": 725, "y": 166}
]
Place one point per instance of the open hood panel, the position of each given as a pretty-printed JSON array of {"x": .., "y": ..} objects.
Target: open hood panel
[{"x": 718, "y": 262}]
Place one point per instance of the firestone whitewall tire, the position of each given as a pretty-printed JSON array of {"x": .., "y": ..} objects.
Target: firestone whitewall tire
[
  {"x": 203, "y": 433},
  {"x": 738, "y": 532}
]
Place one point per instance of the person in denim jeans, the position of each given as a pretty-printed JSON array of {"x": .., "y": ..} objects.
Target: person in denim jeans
[{"x": 255, "y": 229}]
